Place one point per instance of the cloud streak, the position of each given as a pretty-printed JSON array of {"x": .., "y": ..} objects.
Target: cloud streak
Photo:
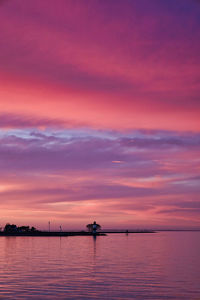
[{"x": 58, "y": 171}]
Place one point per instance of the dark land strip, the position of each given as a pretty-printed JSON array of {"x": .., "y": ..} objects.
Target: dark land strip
[{"x": 70, "y": 233}]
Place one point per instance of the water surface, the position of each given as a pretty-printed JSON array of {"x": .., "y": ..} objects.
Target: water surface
[{"x": 165, "y": 265}]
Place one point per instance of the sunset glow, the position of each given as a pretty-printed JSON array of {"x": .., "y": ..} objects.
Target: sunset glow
[{"x": 100, "y": 113}]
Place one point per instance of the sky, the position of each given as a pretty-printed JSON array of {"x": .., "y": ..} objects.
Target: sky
[{"x": 100, "y": 113}]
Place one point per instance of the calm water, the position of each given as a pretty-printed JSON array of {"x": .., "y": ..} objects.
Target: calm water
[{"x": 164, "y": 265}]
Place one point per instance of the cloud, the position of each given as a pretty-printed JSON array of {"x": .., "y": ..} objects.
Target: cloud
[
  {"x": 84, "y": 192},
  {"x": 9, "y": 120},
  {"x": 163, "y": 142},
  {"x": 53, "y": 151},
  {"x": 182, "y": 211},
  {"x": 130, "y": 71}
]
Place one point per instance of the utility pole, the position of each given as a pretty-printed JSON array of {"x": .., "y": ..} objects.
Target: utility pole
[{"x": 49, "y": 226}]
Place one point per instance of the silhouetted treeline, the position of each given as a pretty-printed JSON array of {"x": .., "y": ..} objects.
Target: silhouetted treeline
[{"x": 12, "y": 228}]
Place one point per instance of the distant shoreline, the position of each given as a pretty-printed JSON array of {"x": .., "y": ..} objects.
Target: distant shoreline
[
  {"x": 69, "y": 233},
  {"x": 46, "y": 233},
  {"x": 85, "y": 233}
]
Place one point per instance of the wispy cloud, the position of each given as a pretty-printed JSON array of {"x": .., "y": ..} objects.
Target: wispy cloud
[
  {"x": 50, "y": 170},
  {"x": 9, "y": 120}
]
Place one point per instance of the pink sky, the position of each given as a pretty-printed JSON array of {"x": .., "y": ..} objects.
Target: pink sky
[{"x": 100, "y": 113}]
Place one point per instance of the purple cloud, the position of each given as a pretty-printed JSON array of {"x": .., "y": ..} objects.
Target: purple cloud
[{"x": 8, "y": 120}]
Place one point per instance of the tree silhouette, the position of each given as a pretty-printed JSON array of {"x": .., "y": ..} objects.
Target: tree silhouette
[
  {"x": 93, "y": 227},
  {"x": 21, "y": 229},
  {"x": 10, "y": 228}
]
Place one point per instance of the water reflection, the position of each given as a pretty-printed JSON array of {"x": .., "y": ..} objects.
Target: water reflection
[
  {"x": 158, "y": 266},
  {"x": 94, "y": 245}
]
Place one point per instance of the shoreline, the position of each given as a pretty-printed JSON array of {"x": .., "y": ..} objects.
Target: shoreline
[
  {"x": 69, "y": 233},
  {"x": 85, "y": 233}
]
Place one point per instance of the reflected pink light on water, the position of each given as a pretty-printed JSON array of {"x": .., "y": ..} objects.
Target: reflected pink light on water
[{"x": 163, "y": 264}]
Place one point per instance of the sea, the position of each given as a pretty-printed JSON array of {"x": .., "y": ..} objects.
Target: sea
[{"x": 162, "y": 265}]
